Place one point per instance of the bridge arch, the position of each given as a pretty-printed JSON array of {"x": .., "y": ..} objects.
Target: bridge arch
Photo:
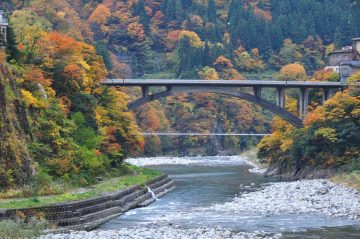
[{"x": 177, "y": 90}]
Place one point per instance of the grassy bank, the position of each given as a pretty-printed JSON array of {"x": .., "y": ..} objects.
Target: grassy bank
[
  {"x": 135, "y": 176},
  {"x": 351, "y": 179}
]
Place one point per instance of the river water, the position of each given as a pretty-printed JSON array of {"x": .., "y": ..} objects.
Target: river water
[{"x": 204, "y": 181}]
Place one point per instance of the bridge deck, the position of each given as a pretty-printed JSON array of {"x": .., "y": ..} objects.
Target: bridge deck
[{"x": 220, "y": 83}]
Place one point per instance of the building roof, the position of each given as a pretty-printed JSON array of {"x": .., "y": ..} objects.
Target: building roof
[
  {"x": 356, "y": 39},
  {"x": 355, "y": 64},
  {"x": 341, "y": 52}
]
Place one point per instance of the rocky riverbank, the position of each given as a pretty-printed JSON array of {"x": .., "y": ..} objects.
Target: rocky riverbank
[
  {"x": 165, "y": 232},
  {"x": 246, "y": 159},
  {"x": 289, "y": 172},
  {"x": 305, "y": 196}
]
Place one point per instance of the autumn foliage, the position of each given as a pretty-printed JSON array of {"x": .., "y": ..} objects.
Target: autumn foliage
[
  {"x": 294, "y": 72},
  {"x": 100, "y": 15},
  {"x": 79, "y": 129},
  {"x": 330, "y": 137}
]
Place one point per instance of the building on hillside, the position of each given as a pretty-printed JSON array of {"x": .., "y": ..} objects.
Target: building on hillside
[
  {"x": 345, "y": 61},
  {"x": 348, "y": 68},
  {"x": 3, "y": 29}
]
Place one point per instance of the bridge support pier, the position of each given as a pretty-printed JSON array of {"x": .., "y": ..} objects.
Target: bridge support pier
[
  {"x": 303, "y": 102},
  {"x": 280, "y": 97},
  {"x": 326, "y": 94},
  {"x": 257, "y": 91},
  {"x": 145, "y": 91}
]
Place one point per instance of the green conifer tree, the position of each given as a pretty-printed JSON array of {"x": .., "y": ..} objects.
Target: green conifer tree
[
  {"x": 211, "y": 11},
  {"x": 139, "y": 10}
]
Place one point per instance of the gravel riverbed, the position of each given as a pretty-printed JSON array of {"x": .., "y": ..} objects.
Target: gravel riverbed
[
  {"x": 164, "y": 232},
  {"x": 306, "y": 196}
]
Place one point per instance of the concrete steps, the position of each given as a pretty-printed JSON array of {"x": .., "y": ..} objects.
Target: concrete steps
[{"x": 91, "y": 213}]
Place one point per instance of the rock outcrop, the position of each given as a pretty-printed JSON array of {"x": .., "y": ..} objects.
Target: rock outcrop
[{"x": 15, "y": 160}]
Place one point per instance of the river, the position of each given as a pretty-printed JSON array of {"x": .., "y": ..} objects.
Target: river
[
  {"x": 226, "y": 197},
  {"x": 206, "y": 181}
]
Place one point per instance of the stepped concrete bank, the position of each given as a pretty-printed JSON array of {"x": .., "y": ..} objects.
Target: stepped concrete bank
[{"x": 91, "y": 213}]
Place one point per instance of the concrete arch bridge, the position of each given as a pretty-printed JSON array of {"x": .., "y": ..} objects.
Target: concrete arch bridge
[{"x": 231, "y": 88}]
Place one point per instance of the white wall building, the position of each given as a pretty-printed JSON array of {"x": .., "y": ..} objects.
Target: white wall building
[
  {"x": 345, "y": 61},
  {"x": 3, "y": 28}
]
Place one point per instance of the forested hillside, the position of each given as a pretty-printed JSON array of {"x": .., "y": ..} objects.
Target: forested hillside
[
  {"x": 59, "y": 51},
  {"x": 57, "y": 121},
  {"x": 329, "y": 142}
]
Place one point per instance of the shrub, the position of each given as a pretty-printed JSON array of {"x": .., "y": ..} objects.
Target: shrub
[{"x": 30, "y": 228}]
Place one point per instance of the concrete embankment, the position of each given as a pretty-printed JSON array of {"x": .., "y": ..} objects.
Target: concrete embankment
[{"x": 91, "y": 213}]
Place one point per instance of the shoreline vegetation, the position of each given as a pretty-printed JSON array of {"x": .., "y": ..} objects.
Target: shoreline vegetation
[
  {"x": 251, "y": 157},
  {"x": 133, "y": 176},
  {"x": 31, "y": 228},
  {"x": 349, "y": 177}
]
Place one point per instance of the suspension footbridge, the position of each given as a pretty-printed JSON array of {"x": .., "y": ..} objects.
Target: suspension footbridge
[{"x": 200, "y": 134}]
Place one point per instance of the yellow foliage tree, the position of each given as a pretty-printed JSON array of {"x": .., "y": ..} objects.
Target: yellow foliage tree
[
  {"x": 194, "y": 39},
  {"x": 136, "y": 31},
  {"x": 208, "y": 73},
  {"x": 226, "y": 70},
  {"x": 294, "y": 72},
  {"x": 100, "y": 15}
]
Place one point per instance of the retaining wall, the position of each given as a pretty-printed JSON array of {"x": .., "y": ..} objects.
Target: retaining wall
[{"x": 89, "y": 214}]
